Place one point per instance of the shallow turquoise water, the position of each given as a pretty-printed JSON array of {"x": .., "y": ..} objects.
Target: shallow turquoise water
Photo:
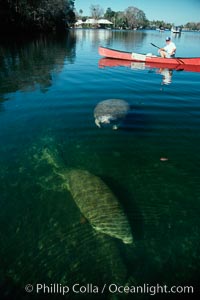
[{"x": 49, "y": 89}]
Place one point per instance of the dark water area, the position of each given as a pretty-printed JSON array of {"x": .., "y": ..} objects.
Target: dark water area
[{"x": 49, "y": 88}]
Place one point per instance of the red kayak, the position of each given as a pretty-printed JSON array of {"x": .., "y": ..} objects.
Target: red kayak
[
  {"x": 131, "y": 56},
  {"x": 111, "y": 62}
]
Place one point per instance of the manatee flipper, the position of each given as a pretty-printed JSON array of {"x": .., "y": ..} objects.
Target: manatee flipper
[{"x": 97, "y": 123}]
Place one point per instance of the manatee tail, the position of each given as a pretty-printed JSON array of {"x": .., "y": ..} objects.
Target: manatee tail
[{"x": 51, "y": 155}]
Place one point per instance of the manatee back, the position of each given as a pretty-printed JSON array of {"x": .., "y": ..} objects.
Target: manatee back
[
  {"x": 117, "y": 108},
  {"x": 99, "y": 205}
]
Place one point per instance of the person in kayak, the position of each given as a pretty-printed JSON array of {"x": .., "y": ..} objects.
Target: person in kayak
[{"x": 169, "y": 50}]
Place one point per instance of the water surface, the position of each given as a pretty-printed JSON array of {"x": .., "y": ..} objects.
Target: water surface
[{"x": 49, "y": 88}]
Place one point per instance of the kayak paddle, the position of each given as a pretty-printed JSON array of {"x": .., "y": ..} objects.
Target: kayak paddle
[
  {"x": 158, "y": 47},
  {"x": 155, "y": 46}
]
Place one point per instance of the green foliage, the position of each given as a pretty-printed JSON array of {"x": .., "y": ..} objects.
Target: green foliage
[
  {"x": 130, "y": 18},
  {"x": 109, "y": 14},
  {"x": 160, "y": 24},
  {"x": 193, "y": 26},
  {"x": 135, "y": 17},
  {"x": 38, "y": 15}
]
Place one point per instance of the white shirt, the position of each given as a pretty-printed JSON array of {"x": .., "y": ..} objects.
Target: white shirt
[{"x": 170, "y": 47}]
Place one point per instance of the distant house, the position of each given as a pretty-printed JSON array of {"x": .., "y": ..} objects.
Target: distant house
[
  {"x": 104, "y": 23},
  {"x": 79, "y": 24},
  {"x": 101, "y": 23},
  {"x": 91, "y": 21}
]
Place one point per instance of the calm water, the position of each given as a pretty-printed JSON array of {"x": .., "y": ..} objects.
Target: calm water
[{"x": 49, "y": 88}]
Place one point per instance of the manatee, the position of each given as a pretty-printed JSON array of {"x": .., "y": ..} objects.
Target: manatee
[
  {"x": 99, "y": 205},
  {"x": 95, "y": 200},
  {"x": 111, "y": 111}
]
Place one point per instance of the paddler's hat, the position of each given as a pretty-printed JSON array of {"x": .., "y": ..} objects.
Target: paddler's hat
[{"x": 168, "y": 39}]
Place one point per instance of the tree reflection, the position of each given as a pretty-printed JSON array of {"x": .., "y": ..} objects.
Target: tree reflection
[
  {"x": 27, "y": 64},
  {"x": 128, "y": 38}
]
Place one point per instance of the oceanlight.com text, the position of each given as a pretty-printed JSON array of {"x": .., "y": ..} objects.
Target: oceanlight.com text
[
  {"x": 57, "y": 288},
  {"x": 151, "y": 289}
]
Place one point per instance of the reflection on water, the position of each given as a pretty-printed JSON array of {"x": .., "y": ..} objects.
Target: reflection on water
[
  {"x": 23, "y": 65},
  {"x": 48, "y": 91},
  {"x": 130, "y": 39},
  {"x": 98, "y": 37},
  {"x": 159, "y": 68},
  {"x": 165, "y": 72},
  {"x": 166, "y": 75}
]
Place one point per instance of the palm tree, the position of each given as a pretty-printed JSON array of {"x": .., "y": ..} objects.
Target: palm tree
[{"x": 80, "y": 13}]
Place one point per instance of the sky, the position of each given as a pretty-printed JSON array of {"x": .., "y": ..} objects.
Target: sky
[{"x": 178, "y": 12}]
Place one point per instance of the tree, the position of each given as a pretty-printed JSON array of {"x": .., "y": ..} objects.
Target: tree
[
  {"x": 192, "y": 26},
  {"x": 119, "y": 20},
  {"x": 34, "y": 15},
  {"x": 109, "y": 14},
  {"x": 135, "y": 17},
  {"x": 96, "y": 11},
  {"x": 80, "y": 13}
]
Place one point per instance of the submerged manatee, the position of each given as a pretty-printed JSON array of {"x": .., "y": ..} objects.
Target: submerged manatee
[
  {"x": 111, "y": 111},
  {"x": 95, "y": 200},
  {"x": 99, "y": 205}
]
